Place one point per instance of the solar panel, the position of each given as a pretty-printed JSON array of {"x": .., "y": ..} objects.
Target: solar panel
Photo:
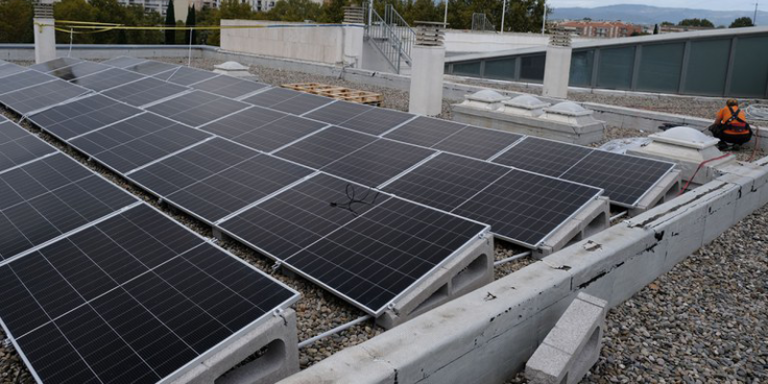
[
  {"x": 525, "y": 207},
  {"x": 82, "y": 116},
  {"x": 136, "y": 298},
  {"x": 219, "y": 193},
  {"x": 78, "y": 70},
  {"x": 411, "y": 241},
  {"x": 144, "y": 91},
  {"x": 23, "y": 80},
  {"x": 49, "y": 197},
  {"x": 191, "y": 165},
  {"x": 54, "y": 64},
  {"x": 123, "y": 61},
  {"x": 9, "y": 69},
  {"x": 263, "y": 129},
  {"x": 425, "y": 131},
  {"x": 150, "y": 68},
  {"x": 626, "y": 179},
  {"x": 325, "y": 147},
  {"x": 377, "y": 121},
  {"x": 543, "y": 156},
  {"x": 479, "y": 143},
  {"x": 17, "y": 146},
  {"x": 41, "y": 96},
  {"x": 316, "y": 230},
  {"x": 243, "y": 122},
  {"x": 301, "y": 215},
  {"x": 446, "y": 181},
  {"x": 272, "y": 97},
  {"x": 378, "y": 162},
  {"x": 302, "y": 104},
  {"x": 229, "y": 86},
  {"x": 110, "y": 78},
  {"x": 137, "y": 141},
  {"x": 197, "y": 108},
  {"x": 185, "y": 76},
  {"x": 338, "y": 112}
]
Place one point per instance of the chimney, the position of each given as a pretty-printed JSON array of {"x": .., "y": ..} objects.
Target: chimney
[
  {"x": 428, "y": 56},
  {"x": 45, "y": 35},
  {"x": 557, "y": 69}
]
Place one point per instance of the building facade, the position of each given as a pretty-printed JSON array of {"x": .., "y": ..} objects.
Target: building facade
[{"x": 601, "y": 29}]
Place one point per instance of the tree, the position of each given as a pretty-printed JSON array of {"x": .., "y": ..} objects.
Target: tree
[
  {"x": 170, "y": 20},
  {"x": 16, "y": 21},
  {"x": 333, "y": 11},
  {"x": 190, "y": 36},
  {"x": 294, "y": 10},
  {"x": 696, "y": 23},
  {"x": 742, "y": 22},
  {"x": 656, "y": 29},
  {"x": 109, "y": 11},
  {"x": 77, "y": 10},
  {"x": 667, "y": 24}
]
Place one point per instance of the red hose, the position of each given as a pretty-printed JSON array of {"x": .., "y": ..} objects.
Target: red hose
[{"x": 697, "y": 171}]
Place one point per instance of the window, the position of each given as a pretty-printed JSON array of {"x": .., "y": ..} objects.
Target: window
[
  {"x": 615, "y": 68},
  {"x": 660, "y": 67}
]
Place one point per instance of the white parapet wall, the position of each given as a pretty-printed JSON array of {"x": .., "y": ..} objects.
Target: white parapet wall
[
  {"x": 487, "y": 335},
  {"x": 465, "y": 41},
  {"x": 319, "y": 44}
]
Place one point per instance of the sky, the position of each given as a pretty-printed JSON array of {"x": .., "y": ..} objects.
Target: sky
[{"x": 696, "y": 4}]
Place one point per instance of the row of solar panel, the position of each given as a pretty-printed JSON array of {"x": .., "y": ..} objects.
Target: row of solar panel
[
  {"x": 625, "y": 179},
  {"x": 98, "y": 287}
]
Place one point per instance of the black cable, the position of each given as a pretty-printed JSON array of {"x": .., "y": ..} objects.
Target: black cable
[{"x": 352, "y": 199}]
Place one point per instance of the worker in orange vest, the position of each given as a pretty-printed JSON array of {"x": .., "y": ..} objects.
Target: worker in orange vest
[{"x": 731, "y": 126}]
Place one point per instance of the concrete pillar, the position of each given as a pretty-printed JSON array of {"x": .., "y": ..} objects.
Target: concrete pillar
[
  {"x": 45, "y": 35},
  {"x": 428, "y": 58},
  {"x": 557, "y": 69},
  {"x": 353, "y": 33}
]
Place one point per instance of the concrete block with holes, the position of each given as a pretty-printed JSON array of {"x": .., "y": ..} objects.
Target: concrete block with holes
[
  {"x": 572, "y": 346},
  {"x": 272, "y": 348}
]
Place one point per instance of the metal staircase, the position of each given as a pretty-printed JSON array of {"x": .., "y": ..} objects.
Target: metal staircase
[{"x": 391, "y": 36}]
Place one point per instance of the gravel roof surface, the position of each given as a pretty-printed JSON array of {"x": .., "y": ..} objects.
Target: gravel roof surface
[{"x": 703, "y": 319}]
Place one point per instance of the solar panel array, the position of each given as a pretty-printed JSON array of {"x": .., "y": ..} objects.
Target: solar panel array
[
  {"x": 360, "y": 145},
  {"x": 218, "y": 180}
]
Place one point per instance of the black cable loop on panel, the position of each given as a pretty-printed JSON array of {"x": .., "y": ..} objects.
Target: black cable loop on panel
[{"x": 352, "y": 199}]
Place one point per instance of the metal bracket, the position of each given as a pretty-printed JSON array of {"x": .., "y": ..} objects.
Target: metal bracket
[{"x": 276, "y": 266}]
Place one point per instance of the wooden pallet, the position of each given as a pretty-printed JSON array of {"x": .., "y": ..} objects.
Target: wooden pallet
[{"x": 336, "y": 92}]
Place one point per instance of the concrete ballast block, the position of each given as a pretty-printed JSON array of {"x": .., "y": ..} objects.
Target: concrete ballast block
[{"x": 572, "y": 346}]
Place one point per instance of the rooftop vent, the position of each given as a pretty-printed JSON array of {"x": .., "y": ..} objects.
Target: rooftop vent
[
  {"x": 354, "y": 15},
  {"x": 525, "y": 105},
  {"x": 688, "y": 147},
  {"x": 485, "y": 99},
  {"x": 429, "y": 33}
]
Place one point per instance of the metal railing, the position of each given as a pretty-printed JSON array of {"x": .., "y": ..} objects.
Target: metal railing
[
  {"x": 400, "y": 27},
  {"x": 386, "y": 40},
  {"x": 480, "y": 22}
]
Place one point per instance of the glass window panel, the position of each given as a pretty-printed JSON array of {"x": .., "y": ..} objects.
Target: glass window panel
[
  {"x": 581, "y": 68},
  {"x": 750, "y": 69},
  {"x": 500, "y": 69},
  {"x": 707, "y": 79},
  {"x": 660, "y": 67},
  {"x": 532, "y": 68},
  {"x": 467, "y": 69},
  {"x": 615, "y": 68}
]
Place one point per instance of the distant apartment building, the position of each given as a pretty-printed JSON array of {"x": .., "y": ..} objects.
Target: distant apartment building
[{"x": 601, "y": 29}]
